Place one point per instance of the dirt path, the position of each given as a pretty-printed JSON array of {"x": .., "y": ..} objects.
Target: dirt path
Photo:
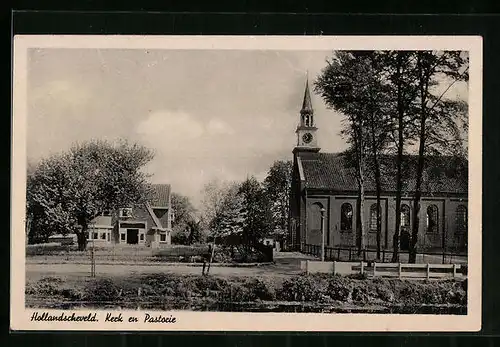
[{"x": 284, "y": 266}]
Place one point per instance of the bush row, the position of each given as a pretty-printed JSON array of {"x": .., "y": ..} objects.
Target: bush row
[{"x": 301, "y": 288}]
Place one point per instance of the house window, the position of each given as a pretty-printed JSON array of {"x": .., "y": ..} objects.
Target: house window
[
  {"x": 126, "y": 212},
  {"x": 432, "y": 219},
  {"x": 87, "y": 236},
  {"x": 373, "y": 218},
  {"x": 103, "y": 236},
  {"x": 346, "y": 217},
  {"x": 142, "y": 237},
  {"x": 461, "y": 220},
  {"x": 122, "y": 237},
  {"x": 405, "y": 216},
  {"x": 109, "y": 236},
  {"x": 95, "y": 236},
  {"x": 163, "y": 237}
]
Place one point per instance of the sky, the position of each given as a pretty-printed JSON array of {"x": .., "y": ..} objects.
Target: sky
[{"x": 207, "y": 114}]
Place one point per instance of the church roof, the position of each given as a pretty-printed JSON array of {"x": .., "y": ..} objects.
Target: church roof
[
  {"x": 160, "y": 195},
  {"x": 333, "y": 171},
  {"x": 306, "y": 103}
]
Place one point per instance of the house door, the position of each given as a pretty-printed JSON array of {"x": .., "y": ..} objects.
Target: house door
[{"x": 132, "y": 236}]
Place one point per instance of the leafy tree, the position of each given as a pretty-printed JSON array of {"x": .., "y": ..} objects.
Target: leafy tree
[
  {"x": 399, "y": 78},
  {"x": 185, "y": 221},
  {"x": 66, "y": 191},
  {"x": 221, "y": 208},
  {"x": 258, "y": 218},
  {"x": 352, "y": 84},
  {"x": 437, "y": 119},
  {"x": 277, "y": 186}
]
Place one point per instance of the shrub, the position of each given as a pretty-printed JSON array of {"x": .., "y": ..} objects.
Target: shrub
[
  {"x": 203, "y": 283},
  {"x": 339, "y": 288},
  {"x": 463, "y": 284},
  {"x": 384, "y": 290},
  {"x": 72, "y": 293},
  {"x": 261, "y": 290},
  {"x": 222, "y": 255},
  {"x": 304, "y": 288},
  {"x": 429, "y": 295},
  {"x": 102, "y": 290},
  {"x": 180, "y": 237},
  {"x": 236, "y": 292}
]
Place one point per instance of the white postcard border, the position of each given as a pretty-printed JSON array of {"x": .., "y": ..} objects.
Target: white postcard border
[{"x": 235, "y": 321}]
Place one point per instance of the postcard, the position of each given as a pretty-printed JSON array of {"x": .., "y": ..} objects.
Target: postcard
[{"x": 238, "y": 183}]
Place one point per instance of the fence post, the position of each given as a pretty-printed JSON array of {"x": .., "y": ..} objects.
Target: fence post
[
  {"x": 428, "y": 271},
  {"x": 383, "y": 256},
  {"x": 454, "y": 270},
  {"x": 338, "y": 254},
  {"x": 350, "y": 256},
  {"x": 374, "y": 269},
  {"x": 362, "y": 267},
  {"x": 399, "y": 270},
  {"x": 443, "y": 258},
  {"x": 364, "y": 254}
]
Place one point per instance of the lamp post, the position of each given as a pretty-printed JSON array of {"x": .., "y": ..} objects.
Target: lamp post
[{"x": 322, "y": 210}]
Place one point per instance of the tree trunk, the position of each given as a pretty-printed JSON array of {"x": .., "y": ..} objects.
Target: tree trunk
[
  {"x": 82, "y": 239},
  {"x": 378, "y": 188},
  {"x": 399, "y": 159},
  {"x": 395, "y": 241},
  {"x": 420, "y": 168},
  {"x": 81, "y": 235},
  {"x": 378, "y": 185},
  {"x": 416, "y": 211},
  {"x": 361, "y": 182}
]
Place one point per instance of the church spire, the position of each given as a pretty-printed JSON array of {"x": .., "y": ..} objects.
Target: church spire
[
  {"x": 306, "y": 103},
  {"x": 306, "y": 130}
]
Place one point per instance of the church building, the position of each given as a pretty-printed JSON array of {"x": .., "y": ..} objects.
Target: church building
[{"x": 325, "y": 184}]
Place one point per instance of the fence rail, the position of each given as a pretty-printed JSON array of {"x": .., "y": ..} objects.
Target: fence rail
[
  {"x": 351, "y": 254},
  {"x": 394, "y": 270}
]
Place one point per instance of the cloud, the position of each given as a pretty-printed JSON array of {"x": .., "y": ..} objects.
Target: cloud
[
  {"x": 61, "y": 93},
  {"x": 217, "y": 127},
  {"x": 170, "y": 125}
]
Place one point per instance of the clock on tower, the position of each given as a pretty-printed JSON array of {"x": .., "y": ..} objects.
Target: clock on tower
[{"x": 306, "y": 130}]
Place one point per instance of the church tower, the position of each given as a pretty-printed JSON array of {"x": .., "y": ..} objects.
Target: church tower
[{"x": 306, "y": 130}]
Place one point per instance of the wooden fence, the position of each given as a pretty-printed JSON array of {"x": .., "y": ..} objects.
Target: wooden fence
[
  {"x": 393, "y": 270},
  {"x": 351, "y": 254}
]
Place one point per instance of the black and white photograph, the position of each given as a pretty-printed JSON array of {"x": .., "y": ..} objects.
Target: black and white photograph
[{"x": 321, "y": 177}]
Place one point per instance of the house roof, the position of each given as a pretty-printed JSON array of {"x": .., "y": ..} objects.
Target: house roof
[
  {"x": 333, "y": 171},
  {"x": 155, "y": 219},
  {"x": 160, "y": 195}
]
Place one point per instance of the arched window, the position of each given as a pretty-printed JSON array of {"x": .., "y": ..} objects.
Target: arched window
[
  {"x": 373, "y": 217},
  {"x": 432, "y": 219},
  {"x": 405, "y": 216},
  {"x": 346, "y": 217},
  {"x": 461, "y": 220}
]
